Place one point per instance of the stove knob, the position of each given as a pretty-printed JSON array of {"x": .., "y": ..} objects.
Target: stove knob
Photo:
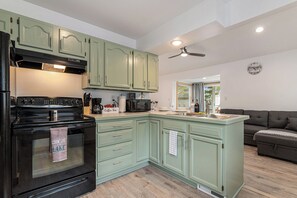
[
  {"x": 77, "y": 102},
  {"x": 23, "y": 101},
  {"x": 31, "y": 101}
]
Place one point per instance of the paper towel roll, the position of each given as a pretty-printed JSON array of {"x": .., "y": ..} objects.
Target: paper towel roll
[{"x": 122, "y": 104}]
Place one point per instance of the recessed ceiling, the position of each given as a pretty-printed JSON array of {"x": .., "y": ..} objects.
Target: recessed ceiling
[
  {"x": 239, "y": 42},
  {"x": 131, "y": 18}
]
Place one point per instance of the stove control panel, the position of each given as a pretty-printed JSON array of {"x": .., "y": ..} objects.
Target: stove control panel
[{"x": 46, "y": 101}]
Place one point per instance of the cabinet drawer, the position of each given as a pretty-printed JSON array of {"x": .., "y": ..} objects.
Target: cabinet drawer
[
  {"x": 114, "y": 151},
  {"x": 111, "y": 126},
  {"x": 207, "y": 130},
  {"x": 175, "y": 125},
  {"x": 110, "y": 138},
  {"x": 114, "y": 165}
]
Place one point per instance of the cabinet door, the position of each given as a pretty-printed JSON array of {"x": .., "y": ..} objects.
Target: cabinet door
[
  {"x": 96, "y": 62},
  {"x": 139, "y": 70},
  {"x": 206, "y": 161},
  {"x": 35, "y": 34},
  {"x": 175, "y": 163},
  {"x": 142, "y": 140},
  {"x": 72, "y": 43},
  {"x": 117, "y": 66},
  {"x": 153, "y": 73},
  {"x": 4, "y": 22},
  {"x": 155, "y": 141}
]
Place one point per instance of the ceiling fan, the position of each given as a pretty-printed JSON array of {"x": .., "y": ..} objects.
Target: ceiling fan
[{"x": 185, "y": 53}]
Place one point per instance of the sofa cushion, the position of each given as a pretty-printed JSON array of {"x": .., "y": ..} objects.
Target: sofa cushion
[
  {"x": 252, "y": 129},
  {"x": 259, "y": 118},
  {"x": 277, "y": 139},
  {"x": 279, "y": 119},
  {"x": 292, "y": 124},
  {"x": 232, "y": 111}
]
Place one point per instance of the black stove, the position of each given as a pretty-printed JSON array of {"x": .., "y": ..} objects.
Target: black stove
[{"x": 35, "y": 174}]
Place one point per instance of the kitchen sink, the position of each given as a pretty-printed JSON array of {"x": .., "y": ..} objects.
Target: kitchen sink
[{"x": 215, "y": 116}]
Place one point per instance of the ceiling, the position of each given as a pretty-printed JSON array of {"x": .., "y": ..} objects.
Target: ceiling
[
  {"x": 199, "y": 23},
  {"x": 131, "y": 18},
  {"x": 239, "y": 42}
]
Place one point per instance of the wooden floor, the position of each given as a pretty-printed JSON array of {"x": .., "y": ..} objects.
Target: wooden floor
[{"x": 263, "y": 177}]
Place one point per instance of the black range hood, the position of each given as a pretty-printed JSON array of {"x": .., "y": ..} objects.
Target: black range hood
[{"x": 35, "y": 60}]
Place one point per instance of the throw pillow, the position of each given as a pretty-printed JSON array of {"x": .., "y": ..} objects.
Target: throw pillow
[{"x": 292, "y": 124}]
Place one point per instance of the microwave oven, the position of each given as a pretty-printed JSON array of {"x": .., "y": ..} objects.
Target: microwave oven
[{"x": 138, "y": 105}]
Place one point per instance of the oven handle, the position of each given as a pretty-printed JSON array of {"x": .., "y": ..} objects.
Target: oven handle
[{"x": 31, "y": 131}]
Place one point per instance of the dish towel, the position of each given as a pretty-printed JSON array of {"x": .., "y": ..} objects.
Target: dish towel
[
  {"x": 173, "y": 143},
  {"x": 59, "y": 143}
]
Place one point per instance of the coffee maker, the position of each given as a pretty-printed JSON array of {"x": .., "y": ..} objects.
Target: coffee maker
[{"x": 96, "y": 106}]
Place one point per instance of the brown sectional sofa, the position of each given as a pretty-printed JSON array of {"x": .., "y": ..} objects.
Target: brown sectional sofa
[{"x": 281, "y": 145}]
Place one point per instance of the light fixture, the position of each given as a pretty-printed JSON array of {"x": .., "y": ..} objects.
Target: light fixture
[
  {"x": 176, "y": 42},
  {"x": 204, "y": 78},
  {"x": 184, "y": 54},
  {"x": 259, "y": 29},
  {"x": 59, "y": 66}
]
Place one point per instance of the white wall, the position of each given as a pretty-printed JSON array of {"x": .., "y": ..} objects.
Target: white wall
[
  {"x": 272, "y": 89},
  {"x": 30, "y": 82}
]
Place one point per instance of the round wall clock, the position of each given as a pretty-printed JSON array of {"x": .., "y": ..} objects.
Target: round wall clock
[{"x": 254, "y": 68}]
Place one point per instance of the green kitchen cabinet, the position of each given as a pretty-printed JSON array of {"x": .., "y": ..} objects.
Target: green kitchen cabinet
[
  {"x": 153, "y": 73},
  {"x": 96, "y": 62},
  {"x": 175, "y": 163},
  {"x": 206, "y": 161},
  {"x": 35, "y": 34},
  {"x": 139, "y": 70},
  {"x": 72, "y": 43},
  {"x": 154, "y": 141},
  {"x": 118, "y": 66},
  {"x": 5, "y": 21},
  {"x": 142, "y": 143}
]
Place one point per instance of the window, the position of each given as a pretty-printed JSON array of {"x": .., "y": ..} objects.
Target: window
[
  {"x": 212, "y": 96},
  {"x": 183, "y": 95}
]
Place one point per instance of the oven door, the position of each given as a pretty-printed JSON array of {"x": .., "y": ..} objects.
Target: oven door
[{"x": 33, "y": 166}]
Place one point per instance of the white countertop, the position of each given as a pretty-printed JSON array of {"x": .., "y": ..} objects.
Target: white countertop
[{"x": 171, "y": 115}]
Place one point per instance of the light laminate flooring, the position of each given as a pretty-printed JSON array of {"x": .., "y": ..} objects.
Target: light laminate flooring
[{"x": 263, "y": 176}]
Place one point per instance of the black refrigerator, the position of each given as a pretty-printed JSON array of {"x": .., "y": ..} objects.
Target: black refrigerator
[{"x": 5, "y": 135}]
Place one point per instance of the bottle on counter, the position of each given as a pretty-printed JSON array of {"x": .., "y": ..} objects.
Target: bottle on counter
[
  {"x": 196, "y": 106},
  {"x": 192, "y": 106}
]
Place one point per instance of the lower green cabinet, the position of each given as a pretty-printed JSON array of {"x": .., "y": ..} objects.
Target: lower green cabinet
[
  {"x": 142, "y": 143},
  {"x": 175, "y": 163},
  {"x": 206, "y": 161},
  {"x": 154, "y": 141}
]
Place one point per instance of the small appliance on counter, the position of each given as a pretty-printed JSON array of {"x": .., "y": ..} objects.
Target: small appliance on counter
[
  {"x": 122, "y": 104},
  {"x": 138, "y": 105},
  {"x": 96, "y": 106},
  {"x": 131, "y": 95},
  {"x": 87, "y": 99}
]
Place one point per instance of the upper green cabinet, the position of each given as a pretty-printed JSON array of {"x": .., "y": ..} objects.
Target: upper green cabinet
[
  {"x": 142, "y": 143},
  {"x": 96, "y": 62},
  {"x": 153, "y": 73},
  {"x": 72, "y": 43},
  {"x": 139, "y": 70},
  {"x": 206, "y": 161},
  {"x": 117, "y": 67},
  {"x": 176, "y": 163},
  {"x": 5, "y": 21},
  {"x": 35, "y": 34},
  {"x": 154, "y": 141}
]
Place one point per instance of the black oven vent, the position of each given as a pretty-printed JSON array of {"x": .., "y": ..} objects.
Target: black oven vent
[{"x": 36, "y": 60}]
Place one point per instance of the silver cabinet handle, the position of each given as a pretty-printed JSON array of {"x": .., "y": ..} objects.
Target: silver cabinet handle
[
  {"x": 116, "y": 136},
  {"x": 105, "y": 80},
  {"x": 117, "y": 149},
  {"x": 115, "y": 163},
  {"x": 144, "y": 83}
]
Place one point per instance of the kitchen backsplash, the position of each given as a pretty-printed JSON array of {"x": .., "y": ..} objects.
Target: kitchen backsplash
[{"x": 29, "y": 82}]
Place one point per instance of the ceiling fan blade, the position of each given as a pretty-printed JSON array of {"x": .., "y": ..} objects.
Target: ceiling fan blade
[
  {"x": 196, "y": 54},
  {"x": 175, "y": 55}
]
